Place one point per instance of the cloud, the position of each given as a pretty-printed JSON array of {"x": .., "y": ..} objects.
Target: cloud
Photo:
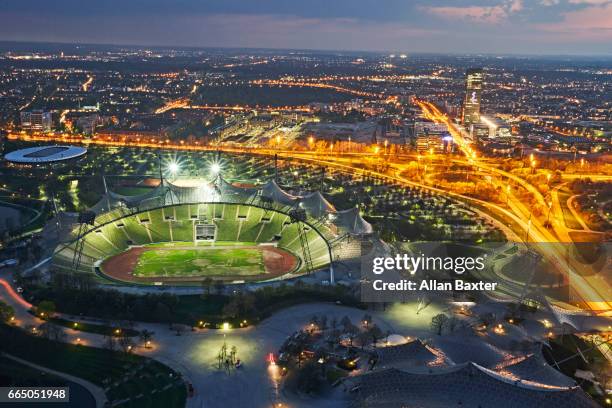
[
  {"x": 590, "y": 23},
  {"x": 483, "y": 14},
  {"x": 591, "y": 2}
]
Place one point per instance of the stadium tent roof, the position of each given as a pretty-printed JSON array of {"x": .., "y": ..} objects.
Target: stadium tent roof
[
  {"x": 352, "y": 221},
  {"x": 413, "y": 354},
  {"x": 112, "y": 200},
  {"x": 234, "y": 193},
  {"x": 272, "y": 191},
  {"x": 534, "y": 368},
  {"x": 316, "y": 205},
  {"x": 571, "y": 320},
  {"x": 468, "y": 385},
  {"x": 202, "y": 192}
]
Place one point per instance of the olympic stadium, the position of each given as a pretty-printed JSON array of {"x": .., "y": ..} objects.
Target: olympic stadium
[
  {"x": 187, "y": 230},
  {"x": 45, "y": 154}
]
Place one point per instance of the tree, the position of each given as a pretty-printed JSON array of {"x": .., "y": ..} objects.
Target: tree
[
  {"x": 51, "y": 331},
  {"x": 162, "y": 312},
  {"x": 453, "y": 322},
  {"x": 6, "y": 312},
  {"x": 345, "y": 322},
  {"x": 110, "y": 343},
  {"x": 366, "y": 320},
  {"x": 219, "y": 287},
  {"x": 323, "y": 323},
  {"x": 46, "y": 308},
  {"x": 375, "y": 333},
  {"x": 146, "y": 336},
  {"x": 125, "y": 342},
  {"x": 233, "y": 352},
  {"x": 207, "y": 284},
  {"x": 438, "y": 322},
  {"x": 351, "y": 331}
]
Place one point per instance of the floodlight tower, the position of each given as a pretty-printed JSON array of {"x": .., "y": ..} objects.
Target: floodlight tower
[
  {"x": 215, "y": 170},
  {"x": 86, "y": 219},
  {"x": 298, "y": 217}
]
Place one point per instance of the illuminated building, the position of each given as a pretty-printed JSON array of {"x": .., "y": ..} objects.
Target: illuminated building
[
  {"x": 471, "y": 104},
  {"x": 431, "y": 136},
  {"x": 36, "y": 120}
]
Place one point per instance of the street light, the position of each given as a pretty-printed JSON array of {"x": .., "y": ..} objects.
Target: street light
[{"x": 215, "y": 168}]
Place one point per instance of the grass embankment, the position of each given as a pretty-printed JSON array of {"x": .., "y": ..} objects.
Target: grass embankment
[
  {"x": 136, "y": 380},
  {"x": 93, "y": 328}
]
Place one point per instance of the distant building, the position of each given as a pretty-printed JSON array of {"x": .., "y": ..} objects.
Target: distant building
[
  {"x": 492, "y": 129},
  {"x": 434, "y": 137},
  {"x": 88, "y": 123},
  {"x": 36, "y": 120},
  {"x": 471, "y": 103}
]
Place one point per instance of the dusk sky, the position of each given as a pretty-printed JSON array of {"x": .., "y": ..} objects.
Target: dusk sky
[{"x": 458, "y": 26}]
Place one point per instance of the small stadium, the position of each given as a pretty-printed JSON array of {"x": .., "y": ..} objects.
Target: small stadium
[{"x": 185, "y": 232}]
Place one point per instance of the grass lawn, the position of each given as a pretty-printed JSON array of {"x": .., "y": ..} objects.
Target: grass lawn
[
  {"x": 92, "y": 328},
  {"x": 16, "y": 374},
  {"x": 141, "y": 381},
  {"x": 200, "y": 261}
]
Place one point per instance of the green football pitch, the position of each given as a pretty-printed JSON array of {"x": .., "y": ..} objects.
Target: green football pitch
[{"x": 204, "y": 261}]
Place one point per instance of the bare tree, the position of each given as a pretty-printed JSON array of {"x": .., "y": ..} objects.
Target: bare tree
[
  {"x": 438, "y": 322},
  {"x": 145, "y": 337}
]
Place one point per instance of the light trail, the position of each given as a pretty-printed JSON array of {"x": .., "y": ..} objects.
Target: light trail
[
  {"x": 87, "y": 84},
  {"x": 14, "y": 295},
  {"x": 594, "y": 296}
]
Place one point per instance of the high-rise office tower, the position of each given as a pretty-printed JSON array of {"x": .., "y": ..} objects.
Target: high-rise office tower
[{"x": 473, "y": 90}]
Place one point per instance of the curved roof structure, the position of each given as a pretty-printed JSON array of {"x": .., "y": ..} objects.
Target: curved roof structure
[
  {"x": 234, "y": 193},
  {"x": 197, "y": 191},
  {"x": 352, "y": 221},
  {"x": 534, "y": 368},
  {"x": 411, "y": 355},
  {"x": 316, "y": 205},
  {"x": 45, "y": 154},
  {"x": 272, "y": 191},
  {"x": 468, "y": 385}
]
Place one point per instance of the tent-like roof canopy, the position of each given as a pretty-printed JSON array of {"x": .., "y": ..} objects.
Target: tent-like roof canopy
[{"x": 316, "y": 206}]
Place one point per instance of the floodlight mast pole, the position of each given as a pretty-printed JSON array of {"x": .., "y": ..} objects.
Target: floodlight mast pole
[
  {"x": 276, "y": 167},
  {"x": 161, "y": 174}
]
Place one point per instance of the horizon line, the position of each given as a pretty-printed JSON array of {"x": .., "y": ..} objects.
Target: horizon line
[{"x": 311, "y": 50}]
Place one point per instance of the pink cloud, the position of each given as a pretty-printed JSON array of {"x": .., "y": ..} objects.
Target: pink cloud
[
  {"x": 592, "y": 23},
  {"x": 490, "y": 15},
  {"x": 591, "y": 2},
  {"x": 483, "y": 14}
]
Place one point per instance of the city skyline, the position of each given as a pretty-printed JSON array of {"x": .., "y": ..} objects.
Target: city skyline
[{"x": 544, "y": 27}]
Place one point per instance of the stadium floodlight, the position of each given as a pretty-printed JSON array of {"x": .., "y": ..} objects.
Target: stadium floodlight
[
  {"x": 174, "y": 167},
  {"x": 215, "y": 168}
]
